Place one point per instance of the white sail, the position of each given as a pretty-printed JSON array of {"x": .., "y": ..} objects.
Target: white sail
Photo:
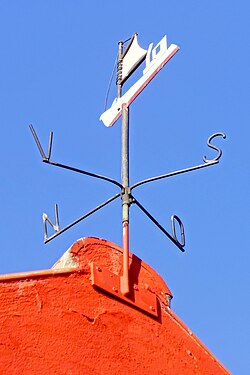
[
  {"x": 132, "y": 58},
  {"x": 156, "y": 58}
]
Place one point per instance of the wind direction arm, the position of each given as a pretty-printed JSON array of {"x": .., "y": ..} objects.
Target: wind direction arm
[
  {"x": 173, "y": 238},
  {"x": 46, "y": 159},
  {"x": 58, "y": 232},
  {"x": 173, "y": 174},
  {"x": 83, "y": 172},
  {"x": 207, "y": 163}
]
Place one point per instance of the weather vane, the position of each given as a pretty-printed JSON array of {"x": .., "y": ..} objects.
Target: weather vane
[{"x": 129, "y": 59}]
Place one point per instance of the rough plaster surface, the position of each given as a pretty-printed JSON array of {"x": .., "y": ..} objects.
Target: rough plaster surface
[{"x": 56, "y": 323}]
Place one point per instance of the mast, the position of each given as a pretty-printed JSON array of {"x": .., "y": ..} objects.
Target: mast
[{"x": 125, "y": 196}]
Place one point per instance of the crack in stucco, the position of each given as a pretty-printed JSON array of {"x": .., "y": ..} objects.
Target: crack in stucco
[{"x": 91, "y": 320}]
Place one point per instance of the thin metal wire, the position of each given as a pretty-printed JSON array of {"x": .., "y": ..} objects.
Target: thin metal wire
[
  {"x": 127, "y": 40},
  {"x": 109, "y": 85},
  {"x": 112, "y": 75}
]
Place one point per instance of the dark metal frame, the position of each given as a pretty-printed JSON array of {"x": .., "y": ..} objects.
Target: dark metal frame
[{"x": 126, "y": 191}]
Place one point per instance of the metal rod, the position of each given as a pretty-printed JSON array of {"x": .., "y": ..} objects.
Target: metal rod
[
  {"x": 50, "y": 144},
  {"x": 125, "y": 198},
  {"x": 38, "y": 142},
  {"x": 158, "y": 224},
  {"x": 81, "y": 218},
  {"x": 124, "y": 280},
  {"x": 46, "y": 159},
  {"x": 207, "y": 164},
  {"x": 125, "y": 156},
  {"x": 83, "y": 172}
]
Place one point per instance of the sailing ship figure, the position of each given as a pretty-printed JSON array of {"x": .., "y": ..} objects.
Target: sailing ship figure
[{"x": 129, "y": 59}]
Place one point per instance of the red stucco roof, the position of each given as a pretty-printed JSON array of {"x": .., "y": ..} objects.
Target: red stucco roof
[{"x": 57, "y": 322}]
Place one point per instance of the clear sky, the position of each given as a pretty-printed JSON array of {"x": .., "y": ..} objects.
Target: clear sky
[{"x": 56, "y": 60}]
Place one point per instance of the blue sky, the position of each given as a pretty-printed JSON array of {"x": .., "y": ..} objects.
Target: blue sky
[{"x": 56, "y": 60}]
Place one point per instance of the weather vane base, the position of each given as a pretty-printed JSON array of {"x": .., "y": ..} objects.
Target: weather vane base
[{"x": 142, "y": 299}]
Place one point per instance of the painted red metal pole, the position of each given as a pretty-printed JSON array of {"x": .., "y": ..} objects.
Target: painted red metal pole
[{"x": 124, "y": 281}]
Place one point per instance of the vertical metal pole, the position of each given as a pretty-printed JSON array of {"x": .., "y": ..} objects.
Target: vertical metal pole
[
  {"x": 125, "y": 199},
  {"x": 124, "y": 281}
]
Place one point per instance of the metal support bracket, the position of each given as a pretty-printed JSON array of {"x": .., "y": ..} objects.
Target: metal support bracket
[{"x": 139, "y": 298}]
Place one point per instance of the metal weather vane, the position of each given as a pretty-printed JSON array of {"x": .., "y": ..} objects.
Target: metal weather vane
[{"x": 128, "y": 61}]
